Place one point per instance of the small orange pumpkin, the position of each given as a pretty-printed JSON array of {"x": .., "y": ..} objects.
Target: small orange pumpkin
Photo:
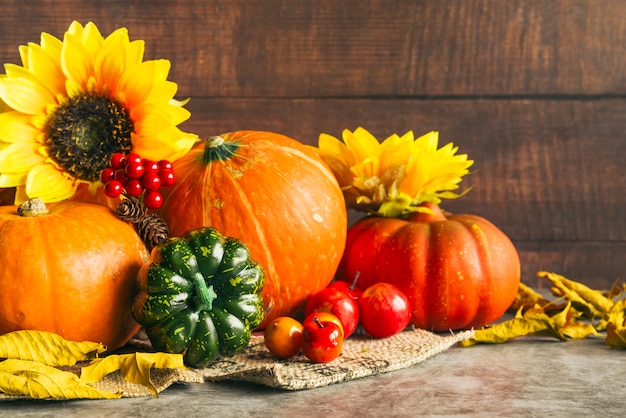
[
  {"x": 277, "y": 196},
  {"x": 71, "y": 271}
]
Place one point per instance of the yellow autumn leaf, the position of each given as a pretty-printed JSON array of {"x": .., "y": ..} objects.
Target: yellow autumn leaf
[
  {"x": 531, "y": 324},
  {"x": 567, "y": 326},
  {"x": 615, "y": 335},
  {"x": 534, "y": 322},
  {"x": 39, "y": 381},
  {"x": 593, "y": 303},
  {"x": 47, "y": 348},
  {"x": 614, "y": 322},
  {"x": 527, "y": 298},
  {"x": 134, "y": 367}
]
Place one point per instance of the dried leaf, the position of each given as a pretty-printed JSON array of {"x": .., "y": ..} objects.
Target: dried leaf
[
  {"x": 615, "y": 324},
  {"x": 507, "y": 330},
  {"x": 534, "y": 322},
  {"x": 47, "y": 348},
  {"x": 615, "y": 335},
  {"x": 39, "y": 381},
  {"x": 593, "y": 303},
  {"x": 134, "y": 367},
  {"x": 569, "y": 327},
  {"x": 528, "y": 298}
]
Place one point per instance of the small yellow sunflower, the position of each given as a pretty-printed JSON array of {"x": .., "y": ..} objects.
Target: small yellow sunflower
[
  {"x": 75, "y": 102},
  {"x": 394, "y": 176}
]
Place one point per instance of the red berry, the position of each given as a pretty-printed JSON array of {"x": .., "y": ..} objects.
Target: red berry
[
  {"x": 151, "y": 181},
  {"x": 107, "y": 174},
  {"x": 150, "y": 167},
  {"x": 134, "y": 188},
  {"x": 152, "y": 199},
  {"x": 167, "y": 178},
  {"x": 134, "y": 170},
  {"x": 113, "y": 188},
  {"x": 133, "y": 158},
  {"x": 121, "y": 176},
  {"x": 165, "y": 165},
  {"x": 118, "y": 160}
]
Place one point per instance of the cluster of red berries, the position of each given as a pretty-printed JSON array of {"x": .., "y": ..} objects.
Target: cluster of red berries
[{"x": 135, "y": 176}]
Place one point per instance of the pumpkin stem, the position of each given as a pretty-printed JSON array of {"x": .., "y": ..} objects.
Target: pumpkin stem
[
  {"x": 432, "y": 213},
  {"x": 217, "y": 149},
  {"x": 205, "y": 295},
  {"x": 33, "y": 207}
]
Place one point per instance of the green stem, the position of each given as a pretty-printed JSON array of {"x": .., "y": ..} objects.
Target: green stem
[
  {"x": 205, "y": 295},
  {"x": 217, "y": 149}
]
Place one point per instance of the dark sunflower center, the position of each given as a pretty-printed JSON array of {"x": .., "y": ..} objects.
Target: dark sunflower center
[{"x": 85, "y": 132}]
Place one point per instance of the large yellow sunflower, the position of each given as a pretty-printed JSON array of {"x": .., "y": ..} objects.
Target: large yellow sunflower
[
  {"x": 395, "y": 176},
  {"x": 74, "y": 102}
]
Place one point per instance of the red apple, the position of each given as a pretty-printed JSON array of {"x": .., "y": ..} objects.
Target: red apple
[
  {"x": 385, "y": 310},
  {"x": 351, "y": 289},
  {"x": 322, "y": 339},
  {"x": 338, "y": 302}
]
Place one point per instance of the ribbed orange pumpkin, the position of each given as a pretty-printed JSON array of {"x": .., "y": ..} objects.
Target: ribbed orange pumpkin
[
  {"x": 458, "y": 271},
  {"x": 274, "y": 194},
  {"x": 72, "y": 271}
]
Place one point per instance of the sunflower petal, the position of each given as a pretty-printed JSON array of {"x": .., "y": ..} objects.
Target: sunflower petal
[
  {"x": 139, "y": 81},
  {"x": 16, "y": 126},
  {"x": 135, "y": 51},
  {"x": 52, "y": 45},
  {"x": 178, "y": 114},
  {"x": 13, "y": 179},
  {"x": 163, "y": 92},
  {"x": 330, "y": 144},
  {"x": 108, "y": 66},
  {"x": 361, "y": 143},
  {"x": 170, "y": 144},
  {"x": 20, "y": 157},
  {"x": 25, "y": 95},
  {"x": 45, "y": 66},
  {"x": 75, "y": 28},
  {"x": 91, "y": 38},
  {"x": 150, "y": 120},
  {"x": 76, "y": 60},
  {"x": 49, "y": 184}
]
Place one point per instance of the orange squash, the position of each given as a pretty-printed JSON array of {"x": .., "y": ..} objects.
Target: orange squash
[
  {"x": 458, "y": 271},
  {"x": 277, "y": 196},
  {"x": 72, "y": 271}
]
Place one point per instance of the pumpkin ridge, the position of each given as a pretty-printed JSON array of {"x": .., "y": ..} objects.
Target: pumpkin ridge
[
  {"x": 468, "y": 311},
  {"x": 235, "y": 189},
  {"x": 323, "y": 167}
]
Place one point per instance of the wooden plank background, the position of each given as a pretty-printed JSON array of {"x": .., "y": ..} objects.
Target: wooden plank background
[{"x": 534, "y": 91}]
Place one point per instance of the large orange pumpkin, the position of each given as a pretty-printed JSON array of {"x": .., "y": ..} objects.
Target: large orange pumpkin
[
  {"x": 72, "y": 271},
  {"x": 458, "y": 271},
  {"x": 274, "y": 194}
]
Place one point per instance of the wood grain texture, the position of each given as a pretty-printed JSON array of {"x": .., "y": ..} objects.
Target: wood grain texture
[
  {"x": 534, "y": 91},
  {"x": 544, "y": 170},
  {"x": 364, "y": 48}
]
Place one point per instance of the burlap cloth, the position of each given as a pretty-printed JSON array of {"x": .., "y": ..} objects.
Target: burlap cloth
[{"x": 361, "y": 357}]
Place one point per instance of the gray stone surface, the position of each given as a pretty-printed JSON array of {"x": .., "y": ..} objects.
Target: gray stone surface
[{"x": 535, "y": 378}]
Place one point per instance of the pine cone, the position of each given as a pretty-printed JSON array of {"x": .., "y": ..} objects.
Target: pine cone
[
  {"x": 152, "y": 229},
  {"x": 131, "y": 210}
]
